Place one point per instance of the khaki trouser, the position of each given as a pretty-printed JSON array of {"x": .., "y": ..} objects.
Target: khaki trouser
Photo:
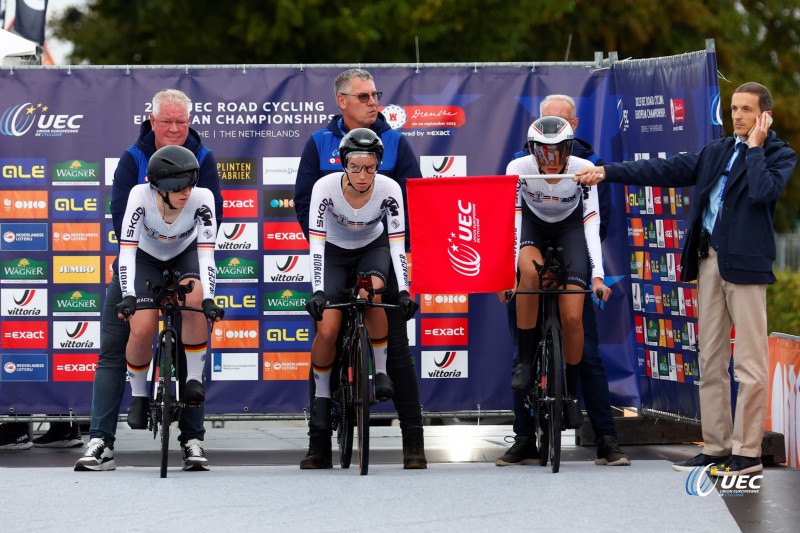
[{"x": 721, "y": 304}]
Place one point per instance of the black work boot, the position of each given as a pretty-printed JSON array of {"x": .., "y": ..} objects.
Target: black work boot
[
  {"x": 414, "y": 449},
  {"x": 318, "y": 455},
  {"x": 321, "y": 419}
]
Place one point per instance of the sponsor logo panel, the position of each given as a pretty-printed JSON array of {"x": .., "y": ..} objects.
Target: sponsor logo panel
[
  {"x": 445, "y": 331},
  {"x": 76, "y": 172},
  {"x": 237, "y": 301},
  {"x": 293, "y": 335},
  {"x": 237, "y": 236},
  {"x": 23, "y": 172},
  {"x": 76, "y": 303},
  {"x": 19, "y": 335},
  {"x": 445, "y": 364},
  {"x": 76, "y": 269},
  {"x": 286, "y": 302},
  {"x": 444, "y": 303},
  {"x": 237, "y": 270},
  {"x": 24, "y": 237},
  {"x": 287, "y": 268},
  {"x": 23, "y": 204},
  {"x": 23, "y": 302},
  {"x": 238, "y": 171},
  {"x": 240, "y": 203},
  {"x": 292, "y": 366},
  {"x": 284, "y": 236},
  {"x": 24, "y": 270},
  {"x": 279, "y": 203},
  {"x": 76, "y": 335},
  {"x": 109, "y": 167},
  {"x": 72, "y": 236},
  {"x": 23, "y": 367},
  {"x": 75, "y": 205},
  {"x": 227, "y": 366},
  {"x": 234, "y": 334},
  {"x": 280, "y": 170},
  {"x": 74, "y": 366},
  {"x": 439, "y": 166}
]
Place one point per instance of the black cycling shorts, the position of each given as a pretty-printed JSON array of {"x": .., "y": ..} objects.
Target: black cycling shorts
[
  {"x": 569, "y": 235},
  {"x": 342, "y": 263},
  {"x": 185, "y": 265}
]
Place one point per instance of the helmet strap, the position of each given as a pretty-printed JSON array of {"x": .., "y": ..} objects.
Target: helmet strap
[
  {"x": 347, "y": 177},
  {"x": 165, "y": 198}
]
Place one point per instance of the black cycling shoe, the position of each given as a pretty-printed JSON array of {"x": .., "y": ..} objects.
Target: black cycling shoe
[
  {"x": 573, "y": 418},
  {"x": 321, "y": 420},
  {"x": 138, "y": 412},
  {"x": 384, "y": 388},
  {"x": 523, "y": 378},
  {"x": 194, "y": 392}
]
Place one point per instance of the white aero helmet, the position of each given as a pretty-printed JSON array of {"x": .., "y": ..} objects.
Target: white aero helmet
[{"x": 550, "y": 141}]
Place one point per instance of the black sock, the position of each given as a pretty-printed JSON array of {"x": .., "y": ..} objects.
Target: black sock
[
  {"x": 527, "y": 344},
  {"x": 572, "y": 381}
]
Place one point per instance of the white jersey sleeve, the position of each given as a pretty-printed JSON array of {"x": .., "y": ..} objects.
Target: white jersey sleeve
[{"x": 206, "y": 222}]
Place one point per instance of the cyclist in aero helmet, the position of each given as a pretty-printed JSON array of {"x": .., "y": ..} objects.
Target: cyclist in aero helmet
[
  {"x": 169, "y": 224},
  {"x": 346, "y": 233},
  {"x": 563, "y": 214}
]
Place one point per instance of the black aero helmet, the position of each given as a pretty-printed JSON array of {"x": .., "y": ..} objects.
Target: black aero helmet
[
  {"x": 360, "y": 140},
  {"x": 172, "y": 169},
  {"x": 550, "y": 141}
]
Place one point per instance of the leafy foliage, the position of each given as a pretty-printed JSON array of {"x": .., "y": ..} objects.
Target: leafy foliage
[{"x": 783, "y": 304}]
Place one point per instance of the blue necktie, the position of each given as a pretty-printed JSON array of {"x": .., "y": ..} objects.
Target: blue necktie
[{"x": 738, "y": 163}]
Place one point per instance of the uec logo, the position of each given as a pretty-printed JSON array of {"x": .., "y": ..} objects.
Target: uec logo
[{"x": 17, "y": 120}]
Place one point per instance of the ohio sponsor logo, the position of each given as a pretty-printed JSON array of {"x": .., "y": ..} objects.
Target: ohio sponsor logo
[
  {"x": 23, "y": 171},
  {"x": 80, "y": 334},
  {"x": 237, "y": 301},
  {"x": 445, "y": 331},
  {"x": 240, "y": 203},
  {"x": 19, "y": 335},
  {"x": 109, "y": 167},
  {"x": 239, "y": 171},
  {"x": 284, "y": 236},
  {"x": 444, "y": 303},
  {"x": 424, "y": 116},
  {"x": 70, "y": 237},
  {"x": 23, "y": 367},
  {"x": 295, "y": 335},
  {"x": 75, "y": 205},
  {"x": 286, "y": 268},
  {"x": 237, "y": 270},
  {"x": 286, "y": 366},
  {"x": 23, "y": 204},
  {"x": 227, "y": 366},
  {"x": 279, "y": 203},
  {"x": 24, "y": 237},
  {"x": 24, "y": 270},
  {"x": 439, "y": 166},
  {"x": 74, "y": 366},
  {"x": 234, "y": 334},
  {"x": 17, "y": 120},
  {"x": 447, "y": 365},
  {"x": 237, "y": 236},
  {"x": 23, "y": 302},
  {"x": 76, "y": 303},
  {"x": 280, "y": 170},
  {"x": 76, "y": 172},
  {"x": 76, "y": 269},
  {"x": 464, "y": 258},
  {"x": 704, "y": 480},
  {"x": 285, "y": 302}
]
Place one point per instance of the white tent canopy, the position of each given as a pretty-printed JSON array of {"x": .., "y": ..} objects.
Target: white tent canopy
[{"x": 16, "y": 50}]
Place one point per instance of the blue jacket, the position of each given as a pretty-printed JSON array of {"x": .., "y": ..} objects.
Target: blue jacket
[
  {"x": 132, "y": 169},
  {"x": 321, "y": 157},
  {"x": 744, "y": 233}
]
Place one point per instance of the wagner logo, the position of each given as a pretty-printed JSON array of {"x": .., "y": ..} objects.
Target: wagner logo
[
  {"x": 75, "y": 205},
  {"x": 76, "y": 303},
  {"x": 286, "y": 366},
  {"x": 237, "y": 270},
  {"x": 444, "y": 303},
  {"x": 240, "y": 203},
  {"x": 26, "y": 172},
  {"x": 286, "y": 268},
  {"x": 24, "y": 302},
  {"x": 702, "y": 481},
  {"x": 23, "y": 367},
  {"x": 23, "y": 204},
  {"x": 76, "y": 269},
  {"x": 237, "y": 236},
  {"x": 285, "y": 302},
  {"x": 237, "y": 171},
  {"x": 445, "y": 331},
  {"x": 68, "y": 237},
  {"x": 80, "y": 335},
  {"x": 443, "y": 166},
  {"x": 463, "y": 256},
  {"x": 19, "y": 119},
  {"x": 237, "y": 301},
  {"x": 23, "y": 335},
  {"x": 284, "y": 236},
  {"x": 23, "y": 270},
  {"x": 235, "y": 334},
  {"x": 234, "y": 366},
  {"x": 448, "y": 365},
  {"x": 76, "y": 172},
  {"x": 280, "y": 170},
  {"x": 74, "y": 366}
]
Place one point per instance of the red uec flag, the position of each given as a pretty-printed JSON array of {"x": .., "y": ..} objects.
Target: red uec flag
[{"x": 462, "y": 233}]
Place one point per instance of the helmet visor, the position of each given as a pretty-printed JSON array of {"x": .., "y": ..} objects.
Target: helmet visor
[
  {"x": 548, "y": 155},
  {"x": 175, "y": 182}
]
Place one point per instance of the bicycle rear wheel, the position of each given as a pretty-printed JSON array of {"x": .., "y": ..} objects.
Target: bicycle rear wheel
[
  {"x": 345, "y": 420},
  {"x": 168, "y": 345},
  {"x": 555, "y": 388},
  {"x": 363, "y": 355}
]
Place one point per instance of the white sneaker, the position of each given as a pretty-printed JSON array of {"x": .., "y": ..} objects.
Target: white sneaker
[
  {"x": 194, "y": 458},
  {"x": 98, "y": 456}
]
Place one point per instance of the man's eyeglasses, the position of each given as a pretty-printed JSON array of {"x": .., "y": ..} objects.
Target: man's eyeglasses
[
  {"x": 164, "y": 123},
  {"x": 355, "y": 169},
  {"x": 364, "y": 97}
]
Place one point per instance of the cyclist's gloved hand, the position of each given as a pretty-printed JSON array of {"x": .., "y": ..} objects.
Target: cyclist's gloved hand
[
  {"x": 212, "y": 310},
  {"x": 407, "y": 305},
  {"x": 316, "y": 305},
  {"x": 127, "y": 307}
]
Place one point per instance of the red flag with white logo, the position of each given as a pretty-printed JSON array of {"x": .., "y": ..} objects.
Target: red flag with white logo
[{"x": 462, "y": 233}]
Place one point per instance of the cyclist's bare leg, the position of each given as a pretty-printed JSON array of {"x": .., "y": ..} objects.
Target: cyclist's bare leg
[
  {"x": 139, "y": 350},
  {"x": 323, "y": 351},
  {"x": 194, "y": 333},
  {"x": 571, "y": 309},
  {"x": 378, "y": 329}
]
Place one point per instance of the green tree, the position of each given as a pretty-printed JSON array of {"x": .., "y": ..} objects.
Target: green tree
[{"x": 755, "y": 40}]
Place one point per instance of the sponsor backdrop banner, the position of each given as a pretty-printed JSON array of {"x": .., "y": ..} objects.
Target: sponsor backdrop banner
[{"x": 62, "y": 132}]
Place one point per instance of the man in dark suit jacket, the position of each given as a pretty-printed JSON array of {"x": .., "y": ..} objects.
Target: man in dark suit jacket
[{"x": 729, "y": 250}]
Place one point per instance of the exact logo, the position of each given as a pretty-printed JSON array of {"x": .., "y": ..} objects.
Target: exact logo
[
  {"x": 23, "y": 335},
  {"x": 74, "y": 366},
  {"x": 284, "y": 236},
  {"x": 445, "y": 331},
  {"x": 240, "y": 203}
]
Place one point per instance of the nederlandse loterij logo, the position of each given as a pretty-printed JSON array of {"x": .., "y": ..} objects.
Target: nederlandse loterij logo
[
  {"x": 76, "y": 172},
  {"x": 702, "y": 481},
  {"x": 23, "y": 270},
  {"x": 463, "y": 256},
  {"x": 237, "y": 270}
]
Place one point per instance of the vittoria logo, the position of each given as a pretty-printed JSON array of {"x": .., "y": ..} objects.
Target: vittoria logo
[
  {"x": 24, "y": 302},
  {"x": 286, "y": 268},
  {"x": 443, "y": 165},
  {"x": 83, "y": 335},
  {"x": 238, "y": 236},
  {"x": 447, "y": 364}
]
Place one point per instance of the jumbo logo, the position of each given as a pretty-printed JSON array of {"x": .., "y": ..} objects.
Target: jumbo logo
[
  {"x": 76, "y": 269},
  {"x": 23, "y": 171},
  {"x": 235, "y": 334},
  {"x": 23, "y": 335},
  {"x": 445, "y": 331},
  {"x": 19, "y": 119},
  {"x": 284, "y": 236}
]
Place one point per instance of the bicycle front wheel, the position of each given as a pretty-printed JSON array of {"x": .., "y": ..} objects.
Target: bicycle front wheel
[
  {"x": 345, "y": 422},
  {"x": 165, "y": 376},
  {"x": 555, "y": 390},
  {"x": 361, "y": 364},
  {"x": 540, "y": 405}
]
